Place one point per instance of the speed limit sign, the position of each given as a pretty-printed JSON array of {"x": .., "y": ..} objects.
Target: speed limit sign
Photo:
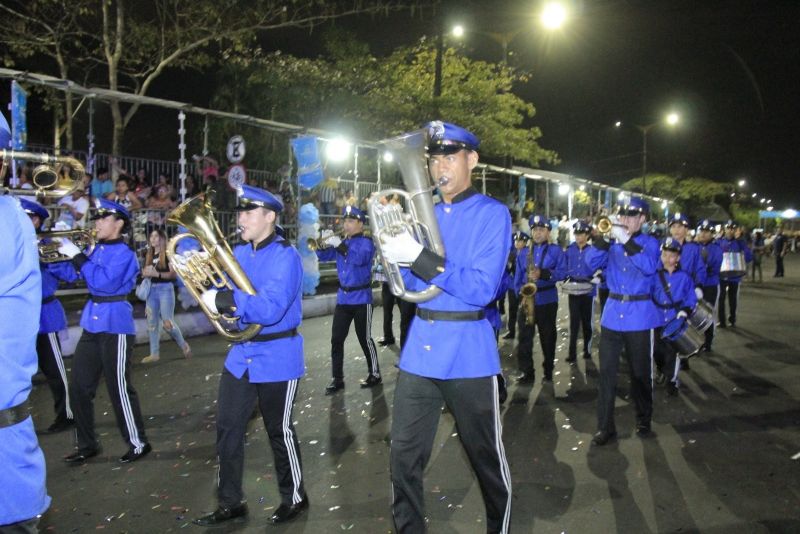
[{"x": 235, "y": 150}]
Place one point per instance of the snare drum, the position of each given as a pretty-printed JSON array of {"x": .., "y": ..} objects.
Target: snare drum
[
  {"x": 683, "y": 337},
  {"x": 702, "y": 316},
  {"x": 733, "y": 265},
  {"x": 574, "y": 287}
]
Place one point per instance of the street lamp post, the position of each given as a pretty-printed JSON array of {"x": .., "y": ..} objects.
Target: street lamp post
[{"x": 671, "y": 120}]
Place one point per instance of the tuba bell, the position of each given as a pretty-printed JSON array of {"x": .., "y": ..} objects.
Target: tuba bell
[
  {"x": 214, "y": 267},
  {"x": 408, "y": 151},
  {"x": 55, "y": 177}
]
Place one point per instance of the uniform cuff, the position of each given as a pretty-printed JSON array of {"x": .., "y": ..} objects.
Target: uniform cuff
[
  {"x": 224, "y": 302},
  {"x": 600, "y": 243},
  {"x": 428, "y": 265},
  {"x": 632, "y": 247},
  {"x": 688, "y": 311},
  {"x": 342, "y": 249},
  {"x": 78, "y": 260}
]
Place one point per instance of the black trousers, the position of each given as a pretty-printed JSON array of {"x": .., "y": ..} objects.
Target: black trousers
[
  {"x": 237, "y": 398},
  {"x": 51, "y": 362},
  {"x": 580, "y": 317},
  {"x": 665, "y": 357},
  {"x": 710, "y": 295},
  {"x": 545, "y": 321},
  {"x": 473, "y": 402},
  {"x": 407, "y": 310},
  {"x": 343, "y": 315},
  {"x": 105, "y": 354},
  {"x": 638, "y": 347},
  {"x": 730, "y": 291},
  {"x": 513, "y": 304},
  {"x": 778, "y": 265},
  {"x": 602, "y": 293}
]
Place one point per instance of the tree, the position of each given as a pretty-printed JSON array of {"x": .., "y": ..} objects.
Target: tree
[{"x": 689, "y": 194}]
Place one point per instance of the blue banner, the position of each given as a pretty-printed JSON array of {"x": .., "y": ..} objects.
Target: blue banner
[
  {"x": 523, "y": 191},
  {"x": 5, "y": 132},
  {"x": 19, "y": 110},
  {"x": 309, "y": 169}
]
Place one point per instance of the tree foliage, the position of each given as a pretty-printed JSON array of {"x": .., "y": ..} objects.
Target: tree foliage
[{"x": 688, "y": 194}]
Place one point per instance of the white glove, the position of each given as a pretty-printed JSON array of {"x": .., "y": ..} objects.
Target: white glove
[
  {"x": 620, "y": 234},
  {"x": 209, "y": 298},
  {"x": 333, "y": 241},
  {"x": 60, "y": 226},
  {"x": 682, "y": 314},
  {"x": 401, "y": 248},
  {"x": 325, "y": 234},
  {"x": 596, "y": 280},
  {"x": 698, "y": 292},
  {"x": 68, "y": 248}
]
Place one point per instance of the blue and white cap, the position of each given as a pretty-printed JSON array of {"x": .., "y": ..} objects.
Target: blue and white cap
[
  {"x": 352, "y": 212},
  {"x": 731, "y": 224},
  {"x": 705, "y": 224},
  {"x": 679, "y": 218},
  {"x": 634, "y": 206},
  {"x": 251, "y": 198},
  {"x": 448, "y": 138},
  {"x": 582, "y": 227},
  {"x": 541, "y": 221},
  {"x": 521, "y": 236},
  {"x": 34, "y": 208},
  {"x": 671, "y": 244},
  {"x": 104, "y": 208}
]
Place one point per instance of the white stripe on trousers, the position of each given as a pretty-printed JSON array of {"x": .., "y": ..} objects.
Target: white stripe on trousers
[
  {"x": 652, "y": 363},
  {"x": 501, "y": 453},
  {"x": 294, "y": 461},
  {"x": 373, "y": 353},
  {"x": 62, "y": 371},
  {"x": 124, "y": 399}
]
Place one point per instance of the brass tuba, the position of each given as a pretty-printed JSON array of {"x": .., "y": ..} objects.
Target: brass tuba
[
  {"x": 408, "y": 151},
  {"x": 57, "y": 176},
  {"x": 49, "y": 243},
  {"x": 214, "y": 267}
]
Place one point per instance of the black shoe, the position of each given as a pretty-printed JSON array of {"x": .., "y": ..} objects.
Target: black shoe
[
  {"x": 672, "y": 389},
  {"x": 723, "y": 325},
  {"x": 509, "y": 335},
  {"x": 587, "y": 356},
  {"x": 60, "y": 425},
  {"x": 132, "y": 455},
  {"x": 371, "y": 381},
  {"x": 222, "y": 514},
  {"x": 643, "y": 431},
  {"x": 602, "y": 437},
  {"x": 684, "y": 364},
  {"x": 546, "y": 379},
  {"x": 733, "y": 323},
  {"x": 81, "y": 456},
  {"x": 706, "y": 348},
  {"x": 334, "y": 386},
  {"x": 287, "y": 512},
  {"x": 385, "y": 342},
  {"x": 660, "y": 377},
  {"x": 571, "y": 359},
  {"x": 527, "y": 377}
]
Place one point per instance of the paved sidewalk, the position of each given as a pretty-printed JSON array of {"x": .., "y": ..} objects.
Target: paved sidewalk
[{"x": 724, "y": 458}]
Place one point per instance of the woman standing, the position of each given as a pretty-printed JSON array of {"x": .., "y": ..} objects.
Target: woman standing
[{"x": 161, "y": 300}]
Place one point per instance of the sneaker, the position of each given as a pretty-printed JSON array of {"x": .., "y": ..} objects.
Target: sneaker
[
  {"x": 187, "y": 351},
  {"x": 151, "y": 359}
]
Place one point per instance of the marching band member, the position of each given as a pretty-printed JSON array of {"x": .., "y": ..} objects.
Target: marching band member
[
  {"x": 451, "y": 355},
  {"x": 353, "y": 257},
  {"x": 581, "y": 307},
  {"x": 544, "y": 265},
  {"x": 629, "y": 316},
  {"x": 23, "y": 493},
  {"x": 691, "y": 261},
  {"x": 711, "y": 256},
  {"x": 109, "y": 332},
  {"x": 267, "y": 368},
  {"x": 729, "y": 287},
  {"x": 51, "y": 321},
  {"x": 520, "y": 241},
  {"x": 674, "y": 296}
]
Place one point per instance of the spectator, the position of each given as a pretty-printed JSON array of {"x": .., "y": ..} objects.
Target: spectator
[
  {"x": 75, "y": 207},
  {"x": 101, "y": 185},
  {"x": 157, "y": 208},
  {"x": 327, "y": 196},
  {"x": 207, "y": 169},
  {"x": 759, "y": 247},
  {"x": 124, "y": 196}
]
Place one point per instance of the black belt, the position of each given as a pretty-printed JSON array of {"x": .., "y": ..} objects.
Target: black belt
[
  {"x": 274, "y": 335},
  {"x": 667, "y": 306},
  {"x": 48, "y": 300},
  {"x": 347, "y": 289},
  {"x": 436, "y": 315},
  {"x": 14, "y": 415},
  {"x": 627, "y": 298},
  {"x": 112, "y": 298}
]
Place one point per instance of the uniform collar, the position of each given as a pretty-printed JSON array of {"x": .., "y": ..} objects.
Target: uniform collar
[
  {"x": 264, "y": 242},
  {"x": 465, "y": 194},
  {"x": 359, "y": 234},
  {"x": 111, "y": 241}
]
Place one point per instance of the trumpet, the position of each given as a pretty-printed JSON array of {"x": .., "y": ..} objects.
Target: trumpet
[
  {"x": 605, "y": 224},
  {"x": 318, "y": 243},
  {"x": 56, "y": 177},
  {"x": 50, "y": 241}
]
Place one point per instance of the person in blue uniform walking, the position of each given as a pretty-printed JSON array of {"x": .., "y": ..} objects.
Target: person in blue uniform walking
[
  {"x": 451, "y": 355},
  {"x": 266, "y": 369},
  {"x": 711, "y": 256},
  {"x": 520, "y": 241},
  {"x": 544, "y": 265},
  {"x": 629, "y": 316},
  {"x": 106, "y": 345},
  {"x": 51, "y": 321},
  {"x": 691, "y": 260},
  {"x": 729, "y": 285},
  {"x": 23, "y": 491},
  {"x": 675, "y": 297},
  {"x": 581, "y": 307},
  {"x": 353, "y": 257}
]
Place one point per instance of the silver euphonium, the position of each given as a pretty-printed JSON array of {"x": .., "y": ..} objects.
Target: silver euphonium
[{"x": 408, "y": 150}]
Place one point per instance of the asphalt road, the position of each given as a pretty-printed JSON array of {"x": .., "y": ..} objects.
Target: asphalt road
[{"x": 725, "y": 457}]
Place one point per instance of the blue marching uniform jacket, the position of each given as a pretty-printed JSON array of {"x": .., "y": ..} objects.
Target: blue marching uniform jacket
[
  {"x": 736, "y": 245},
  {"x": 550, "y": 259},
  {"x": 692, "y": 264},
  {"x": 275, "y": 269},
  {"x": 711, "y": 256},
  {"x": 520, "y": 258},
  {"x": 354, "y": 267},
  {"x": 53, "y": 318},
  {"x": 493, "y": 309},
  {"x": 577, "y": 268},
  {"x": 110, "y": 271},
  {"x": 474, "y": 230},
  {"x": 630, "y": 271},
  {"x": 681, "y": 289},
  {"x": 22, "y": 478}
]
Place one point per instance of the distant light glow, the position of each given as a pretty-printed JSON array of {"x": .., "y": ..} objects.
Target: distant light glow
[
  {"x": 553, "y": 16},
  {"x": 789, "y": 214},
  {"x": 338, "y": 149},
  {"x": 582, "y": 188},
  {"x": 673, "y": 119},
  {"x": 742, "y": 183},
  {"x": 563, "y": 189},
  {"x": 458, "y": 30},
  {"x": 664, "y": 205},
  {"x": 388, "y": 157},
  {"x": 618, "y": 124},
  {"x": 770, "y": 208},
  {"x": 763, "y": 200}
]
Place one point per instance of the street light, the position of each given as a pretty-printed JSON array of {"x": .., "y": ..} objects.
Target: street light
[
  {"x": 742, "y": 183},
  {"x": 671, "y": 120}
]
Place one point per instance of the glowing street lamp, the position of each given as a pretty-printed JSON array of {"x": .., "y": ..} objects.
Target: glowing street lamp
[
  {"x": 671, "y": 119},
  {"x": 338, "y": 149},
  {"x": 553, "y": 16}
]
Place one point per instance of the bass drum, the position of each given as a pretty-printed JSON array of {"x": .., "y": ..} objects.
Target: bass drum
[
  {"x": 683, "y": 337},
  {"x": 702, "y": 317},
  {"x": 733, "y": 265},
  {"x": 575, "y": 287}
]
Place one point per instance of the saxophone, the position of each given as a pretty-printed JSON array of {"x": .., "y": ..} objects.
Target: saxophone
[{"x": 528, "y": 291}]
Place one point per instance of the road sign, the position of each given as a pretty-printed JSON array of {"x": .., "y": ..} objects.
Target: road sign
[
  {"x": 236, "y": 150},
  {"x": 236, "y": 176}
]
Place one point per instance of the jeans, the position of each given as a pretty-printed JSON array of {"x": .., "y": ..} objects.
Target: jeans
[{"x": 161, "y": 310}]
